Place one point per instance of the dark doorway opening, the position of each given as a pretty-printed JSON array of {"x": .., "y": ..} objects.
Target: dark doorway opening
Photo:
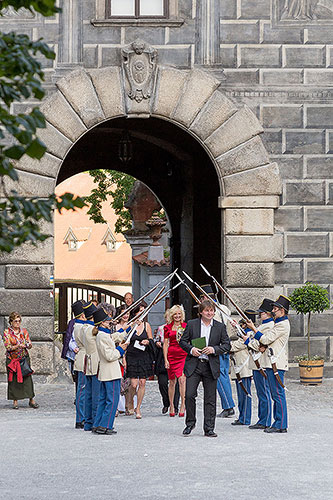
[{"x": 180, "y": 173}]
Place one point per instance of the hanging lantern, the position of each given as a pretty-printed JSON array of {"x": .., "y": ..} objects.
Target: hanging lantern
[{"x": 125, "y": 147}]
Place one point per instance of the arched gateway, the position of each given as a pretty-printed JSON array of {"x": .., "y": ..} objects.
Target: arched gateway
[{"x": 246, "y": 191}]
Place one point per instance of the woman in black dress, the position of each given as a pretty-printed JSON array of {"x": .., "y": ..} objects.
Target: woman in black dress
[{"x": 139, "y": 361}]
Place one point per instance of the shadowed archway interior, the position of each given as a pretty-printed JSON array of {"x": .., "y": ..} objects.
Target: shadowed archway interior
[{"x": 178, "y": 170}]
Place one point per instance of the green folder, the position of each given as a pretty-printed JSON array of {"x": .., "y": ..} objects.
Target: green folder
[{"x": 199, "y": 343}]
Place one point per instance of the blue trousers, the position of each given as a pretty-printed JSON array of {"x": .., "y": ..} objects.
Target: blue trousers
[
  {"x": 80, "y": 394},
  {"x": 264, "y": 399},
  {"x": 279, "y": 399},
  {"x": 107, "y": 404},
  {"x": 244, "y": 402},
  {"x": 91, "y": 400},
  {"x": 223, "y": 383}
]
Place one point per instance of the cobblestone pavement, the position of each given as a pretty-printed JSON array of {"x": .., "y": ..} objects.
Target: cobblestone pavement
[{"x": 44, "y": 457}]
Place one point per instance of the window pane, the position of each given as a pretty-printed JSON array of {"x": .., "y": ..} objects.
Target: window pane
[
  {"x": 122, "y": 7},
  {"x": 151, "y": 7}
]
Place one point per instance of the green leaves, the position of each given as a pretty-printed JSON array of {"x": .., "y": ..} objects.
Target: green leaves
[
  {"x": 116, "y": 185},
  {"x": 310, "y": 298}
]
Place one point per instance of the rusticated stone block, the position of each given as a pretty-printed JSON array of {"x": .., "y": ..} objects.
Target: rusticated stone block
[
  {"x": 319, "y": 116},
  {"x": 296, "y": 325},
  {"x": 228, "y": 9},
  {"x": 319, "y": 271},
  {"x": 252, "y": 221},
  {"x": 2, "y": 277},
  {"x": 79, "y": 91},
  {"x": 258, "y": 9},
  {"x": 108, "y": 86},
  {"x": 290, "y": 167},
  {"x": 179, "y": 56},
  {"x": 319, "y": 219},
  {"x": 42, "y": 357},
  {"x": 35, "y": 276},
  {"x": 282, "y": 116},
  {"x": 39, "y": 327},
  {"x": 245, "y": 76},
  {"x": 56, "y": 142},
  {"x": 31, "y": 185},
  {"x": 49, "y": 165},
  {"x": 289, "y": 271},
  {"x": 198, "y": 88},
  {"x": 245, "y": 157},
  {"x": 302, "y": 142},
  {"x": 248, "y": 202},
  {"x": 26, "y": 302},
  {"x": 62, "y": 116},
  {"x": 281, "y": 76},
  {"x": 273, "y": 141},
  {"x": 170, "y": 87},
  {"x": 298, "y": 347},
  {"x": 304, "y": 56},
  {"x": 318, "y": 76},
  {"x": 249, "y": 297},
  {"x": 2, "y": 357},
  {"x": 305, "y": 193},
  {"x": 228, "y": 54},
  {"x": 289, "y": 219},
  {"x": 254, "y": 248},
  {"x": 307, "y": 245},
  {"x": 319, "y": 167},
  {"x": 257, "y": 56},
  {"x": 29, "y": 254},
  {"x": 240, "y": 32},
  {"x": 250, "y": 275},
  {"x": 241, "y": 127},
  {"x": 216, "y": 111},
  {"x": 262, "y": 180}
]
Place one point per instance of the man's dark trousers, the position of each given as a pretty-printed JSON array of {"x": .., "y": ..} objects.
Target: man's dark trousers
[{"x": 202, "y": 373}]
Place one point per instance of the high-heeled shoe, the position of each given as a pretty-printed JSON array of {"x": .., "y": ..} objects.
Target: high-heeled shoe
[
  {"x": 172, "y": 414},
  {"x": 181, "y": 414}
]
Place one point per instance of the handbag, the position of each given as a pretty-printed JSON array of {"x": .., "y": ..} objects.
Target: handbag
[{"x": 25, "y": 367}]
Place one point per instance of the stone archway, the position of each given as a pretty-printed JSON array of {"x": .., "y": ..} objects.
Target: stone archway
[{"x": 249, "y": 183}]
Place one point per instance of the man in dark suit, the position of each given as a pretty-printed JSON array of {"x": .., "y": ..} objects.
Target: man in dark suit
[{"x": 203, "y": 365}]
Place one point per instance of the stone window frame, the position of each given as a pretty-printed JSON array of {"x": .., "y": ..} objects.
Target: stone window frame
[{"x": 172, "y": 19}]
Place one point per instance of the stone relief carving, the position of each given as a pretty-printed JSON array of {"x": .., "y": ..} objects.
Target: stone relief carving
[
  {"x": 302, "y": 12},
  {"x": 10, "y": 12},
  {"x": 139, "y": 63}
]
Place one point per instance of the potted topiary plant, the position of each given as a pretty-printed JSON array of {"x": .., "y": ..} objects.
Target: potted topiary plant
[{"x": 308, "y": 299}]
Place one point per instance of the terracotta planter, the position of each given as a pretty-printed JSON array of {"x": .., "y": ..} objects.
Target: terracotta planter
[{"x": 311, "y": 372}]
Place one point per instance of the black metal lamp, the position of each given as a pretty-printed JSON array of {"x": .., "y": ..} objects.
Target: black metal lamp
[{"x": 125, "y": 147}]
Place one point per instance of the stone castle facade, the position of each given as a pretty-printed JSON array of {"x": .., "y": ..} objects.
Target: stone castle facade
[{"x": 213, "y": 58}]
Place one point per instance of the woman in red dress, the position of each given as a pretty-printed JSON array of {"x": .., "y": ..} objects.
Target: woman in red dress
[{"x": 174, "y": 356}]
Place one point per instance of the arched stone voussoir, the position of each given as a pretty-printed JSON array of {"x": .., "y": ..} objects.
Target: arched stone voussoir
[
  {"x": 198, "y": 88},
  {"x": 241, "y": 127},
  {"x": 217, "y": 110},
  {"x": 108, "y": 85},
  {"x": 79, "y": 91},
  {"x": 57, "y": 144},
  {"x": 62, "y": 116},
  {"x": 263, "y": 180},
  {"x": 169, "y": 88},
  {"x": 49, "y": 165},
  {"x": 30, "y": 185},
  {"x": 249, "y": 155}
]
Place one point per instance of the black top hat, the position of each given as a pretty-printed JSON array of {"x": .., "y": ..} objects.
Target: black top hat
[
  {"x": 208, "y": 289},
  {"x": 100, "y": 315},
  {"x": 89, "y": 308},
  {"x": 251, "y": 314},
  {"x": 266, "y": 306},
  {"x": 77, "y": 308},
  {"x": 282, "y": 301}
]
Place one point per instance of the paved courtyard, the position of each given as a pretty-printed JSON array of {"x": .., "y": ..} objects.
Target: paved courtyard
[{"x": 44, "y": 457}]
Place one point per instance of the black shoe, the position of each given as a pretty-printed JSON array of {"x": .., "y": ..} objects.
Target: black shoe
[
  {"x": 110, "y": 431},
  {"x": 237, "y": 422},
  {"x": 210, "y": 434},
  {"x": 93, "y": 430},
  {"x": 226, "y": 413},
  {"x": 257, "y": 426},
  {"x": 176, "y": 411},
  {"x": 79, "y": 425},
  {"x": 188, "y": 429},
  {"x": 100, "y": 430},
  {"x": 165, "y": 410},
  {"x": 272, "y": 430}
]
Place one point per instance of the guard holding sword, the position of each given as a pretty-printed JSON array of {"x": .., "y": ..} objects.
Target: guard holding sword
[{"x": 277, "y": 341}]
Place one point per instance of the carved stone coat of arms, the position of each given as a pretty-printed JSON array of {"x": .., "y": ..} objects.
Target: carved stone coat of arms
[{"x": 139, "y": 63}]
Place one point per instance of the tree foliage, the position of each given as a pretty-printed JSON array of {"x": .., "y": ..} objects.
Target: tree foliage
[
  {"x": 117, "y": 186},
  {"x": 308, "y": 299},
  {"x": 21, "y": 78}
]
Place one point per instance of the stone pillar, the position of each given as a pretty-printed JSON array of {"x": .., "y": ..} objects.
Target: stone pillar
[
  {"x": 70, "y": 42},
  {"x": 208, "y": 27}
]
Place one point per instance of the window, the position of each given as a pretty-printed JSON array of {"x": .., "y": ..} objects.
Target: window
[
  {"x": 137, "y": 8},
  {"x": 110, "y": 246},
  {"x": 72, "y": 245}
]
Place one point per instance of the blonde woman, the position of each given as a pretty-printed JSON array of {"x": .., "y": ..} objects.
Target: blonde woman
[{"x": 174, "y": 356}]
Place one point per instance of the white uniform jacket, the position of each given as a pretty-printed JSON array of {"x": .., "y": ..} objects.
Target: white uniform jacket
[
  {"x": 91, "y": 358},
  {"x": 240, "y": 354},
  {"x": 254, "y": 344},
  {"x": 109, "y": 356},
  {"x": 277, "y": 340},
  {"x": 78, "y": 336}
]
